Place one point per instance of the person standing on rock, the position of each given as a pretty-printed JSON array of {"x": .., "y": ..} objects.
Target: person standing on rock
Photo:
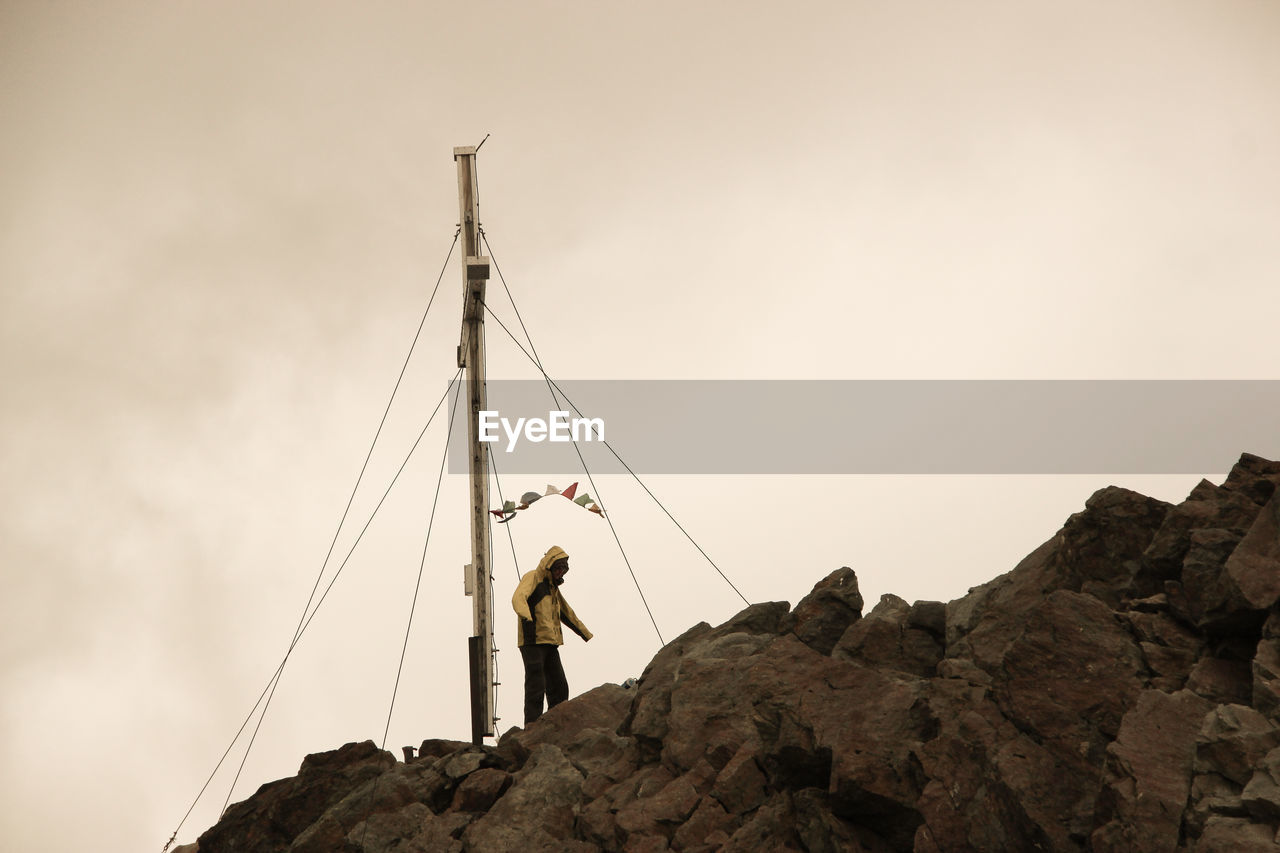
[{"x": 541, "y": 608}]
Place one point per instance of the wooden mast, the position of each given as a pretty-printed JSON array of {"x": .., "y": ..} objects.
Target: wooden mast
[{"x": 478, "y": 579}]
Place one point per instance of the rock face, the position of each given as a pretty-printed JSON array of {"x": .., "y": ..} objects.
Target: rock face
[{"x": 1118, "y": 690}]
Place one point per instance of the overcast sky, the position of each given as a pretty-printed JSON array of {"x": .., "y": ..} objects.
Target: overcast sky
[{"x": 220, "y": 224}]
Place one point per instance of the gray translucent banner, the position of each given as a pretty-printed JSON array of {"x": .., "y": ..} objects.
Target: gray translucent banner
[{"x": 887, "y": 426}]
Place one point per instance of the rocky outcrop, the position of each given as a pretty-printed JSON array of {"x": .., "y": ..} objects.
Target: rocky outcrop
[{"x": 1119, "y": 689}]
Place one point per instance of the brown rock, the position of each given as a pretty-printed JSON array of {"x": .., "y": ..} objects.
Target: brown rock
[
  {"x": 1262, "y": 795},
  {"x": 772, "y": 828},
  {"x": 646, "y": 844},
  {"x": 875, "y": 637},
  {"x": 1148, "y": 773},
  {"x": 434, "y": 748},
  {"x": 1023, "y": 772},
  {"x": 768, "y": 617},
  {"x": 658, "y": 810},
  {"x": 603, "y": 754},
  {"x": 708, "y": 820},
  {"x": 1211, "y": 596},
  {"x": 1163, "y": 630},
  {"x": 384, "y": 830},
  {"x": 1102, "y": 547},
  {"x": 461, "y": 764},
  {"x": 1234, "y": 835},
  {"x": 537, "y": 812},
  {"x": 1254, "y": 566},
  {"x": 792, "y": 755},
  {"x": 598, "y": 824},
  {"x": 1169, "y": 667},
  {"x": 281, "y": 811},
  {"x": 645, "y": 782},
  {"x": 741, "y": 786},
  {"x": 870, "y": 723},
  {"x": 886, "y": 639},
  {"x": 585, "y": 731},
  {"x": 658, "y": 814},
  {"x": 965, "y": 669},
  {"x": 1265, "y": 670},
  {"x": 1254, "y": 477},
  {"x": 1232, "y": 742},
  {"x": 1157, "y": 603},
  {"x": 1168, "y": 646},
  {"x": 440, "y": 834},
  {"x": 480, "y": 790},
  {"x": 710, "y": 712},
  {"x": 602, "y": 708},
  {"x": 985, "y": 610},
  {"x": 1222, "y": 681},
  {"x": 1208, "y": 507},
  {"x": 1211, "y": 794},
  {"x": 1070, "y": 677},
  {"x": 930, "y": 616},
  {"x": 647, "y": 720},
  {"x": 1098, "y": 551},
  {"x": 375, "y": 803},
  {"x": 822, "y": 616},
  {"x": 820, "y": 831}
]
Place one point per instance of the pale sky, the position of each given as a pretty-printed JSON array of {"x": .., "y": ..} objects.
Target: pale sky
[{"x": 220, "y": 223}]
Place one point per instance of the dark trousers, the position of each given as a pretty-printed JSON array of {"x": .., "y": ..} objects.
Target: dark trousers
[{"x": 543, "y": 676}]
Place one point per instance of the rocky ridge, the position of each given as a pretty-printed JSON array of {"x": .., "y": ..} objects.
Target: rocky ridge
[{"x": 1118, "y": 690}]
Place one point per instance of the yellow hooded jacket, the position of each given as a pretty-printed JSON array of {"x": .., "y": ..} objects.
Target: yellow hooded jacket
[{"x": 541, "y": 607}]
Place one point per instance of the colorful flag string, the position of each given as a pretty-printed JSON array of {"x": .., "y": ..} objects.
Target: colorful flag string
[{"x": 528, "y": 499}]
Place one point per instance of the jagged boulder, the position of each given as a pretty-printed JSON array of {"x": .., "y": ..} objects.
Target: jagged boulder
[
  {"x": 1254, "y": 477},
  {"x": 1098, "y": 552},
  {"x": 1254, "y": 564},
  {"x": 822, "y": 616},
  {"x": 897, "y": 635},
  {"x": 1170, "y": 648},
  {"x": 283, "y": 811},
  {"x": 1148, "y": 773},
  {"x": 1207, "y": 508},
  {"x": 539, "y": 811},
  {"x": 1119, "y": 689}
]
